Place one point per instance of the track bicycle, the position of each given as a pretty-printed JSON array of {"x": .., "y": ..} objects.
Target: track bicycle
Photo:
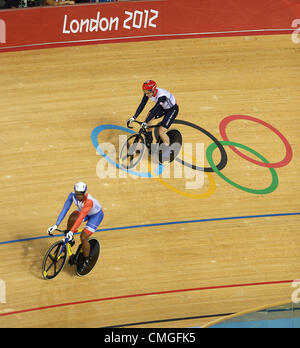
[
  {"x": 56, "y": 256},
  {"x": 133, "y": 149}
]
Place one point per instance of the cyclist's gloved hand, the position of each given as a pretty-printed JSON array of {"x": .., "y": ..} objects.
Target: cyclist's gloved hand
[
  {"x": 69, "y": 235},
  {"x": 51, "y": 229},
  {"x": 131, "y": 119}
]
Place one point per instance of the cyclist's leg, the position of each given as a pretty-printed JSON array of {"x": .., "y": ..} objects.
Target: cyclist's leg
[
  {"x": 149, "y": 137},
  {"x": 93, "y": 222},
  {"x": 159, "y": 113},
  {"x": 72, "y": 219},
  {"x": 84, "y": 238},
  {"x": 170, "y": 116}
]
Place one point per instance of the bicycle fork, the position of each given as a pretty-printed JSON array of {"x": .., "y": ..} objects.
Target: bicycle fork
[{"x": 69, "y": 249}]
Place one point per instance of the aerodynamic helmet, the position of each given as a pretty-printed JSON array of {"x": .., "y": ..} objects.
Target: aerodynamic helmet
[
  {"x": 149, "y": 85},
  {"x": 80, "y": 187}
]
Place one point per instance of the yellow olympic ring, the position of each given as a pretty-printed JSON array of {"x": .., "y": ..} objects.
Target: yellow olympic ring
[{"x": 211, "y": 190}]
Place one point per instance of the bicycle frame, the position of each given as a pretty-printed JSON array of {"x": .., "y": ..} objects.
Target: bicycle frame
[
  {"x": 69, "y": 248},
  {"x": 66, "y": 243}
]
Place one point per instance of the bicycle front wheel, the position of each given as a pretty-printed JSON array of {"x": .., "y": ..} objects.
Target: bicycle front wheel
[
  {"x": 54, "y": 260},
  {"x": 132, "y": 151}
]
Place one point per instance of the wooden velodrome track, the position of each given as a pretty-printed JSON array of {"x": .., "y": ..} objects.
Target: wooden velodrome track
[{"x": 151, "y": 273}]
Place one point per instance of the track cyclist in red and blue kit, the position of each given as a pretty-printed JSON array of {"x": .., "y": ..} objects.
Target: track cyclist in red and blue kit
[
  {"x": 165, "y": 105},
  {"x": 89, "y": 209}
]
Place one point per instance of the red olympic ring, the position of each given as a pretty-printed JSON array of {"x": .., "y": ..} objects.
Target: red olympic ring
[{"x": 288, "y": 148}]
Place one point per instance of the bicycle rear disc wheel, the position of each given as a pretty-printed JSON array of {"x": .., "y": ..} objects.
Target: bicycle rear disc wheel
[
  {"x": 94, "y": 255},
  {"x": 175, "y": 145},
  {"x": 54, "y": 260},
  {"x": 132, "y": 151}
]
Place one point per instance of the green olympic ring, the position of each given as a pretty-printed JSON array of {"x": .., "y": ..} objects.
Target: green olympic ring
[{"x": 267, "y": 190}]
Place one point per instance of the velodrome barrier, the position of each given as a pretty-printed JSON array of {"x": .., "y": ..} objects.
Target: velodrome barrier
[{"x": 45, "y": 27}]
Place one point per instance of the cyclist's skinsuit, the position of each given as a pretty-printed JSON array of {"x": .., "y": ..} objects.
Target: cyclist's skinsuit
[
  {"x": 89, "y": 209},
  {"x": 165, "y": 105}
]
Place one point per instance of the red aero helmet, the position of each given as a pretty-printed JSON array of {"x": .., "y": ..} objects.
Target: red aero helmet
[{"x": 149, "y": 85}]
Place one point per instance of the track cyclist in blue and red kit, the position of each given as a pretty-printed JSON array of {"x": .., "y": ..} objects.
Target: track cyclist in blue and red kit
[
  {"x": 165, "y": 105},
  {"x": 89, "y": 209}
]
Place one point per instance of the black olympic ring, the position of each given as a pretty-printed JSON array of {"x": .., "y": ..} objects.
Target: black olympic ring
[{"x": 224, "y": 158}]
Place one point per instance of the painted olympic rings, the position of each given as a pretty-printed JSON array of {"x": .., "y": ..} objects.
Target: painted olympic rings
[
  {"x": 213, "y": 167},
  {"x": 289, "y": 152},
  {"x": 269, "y": 189}
]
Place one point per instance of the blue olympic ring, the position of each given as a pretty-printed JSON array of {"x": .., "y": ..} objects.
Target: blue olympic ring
[{"x": 96, "y": 131}]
